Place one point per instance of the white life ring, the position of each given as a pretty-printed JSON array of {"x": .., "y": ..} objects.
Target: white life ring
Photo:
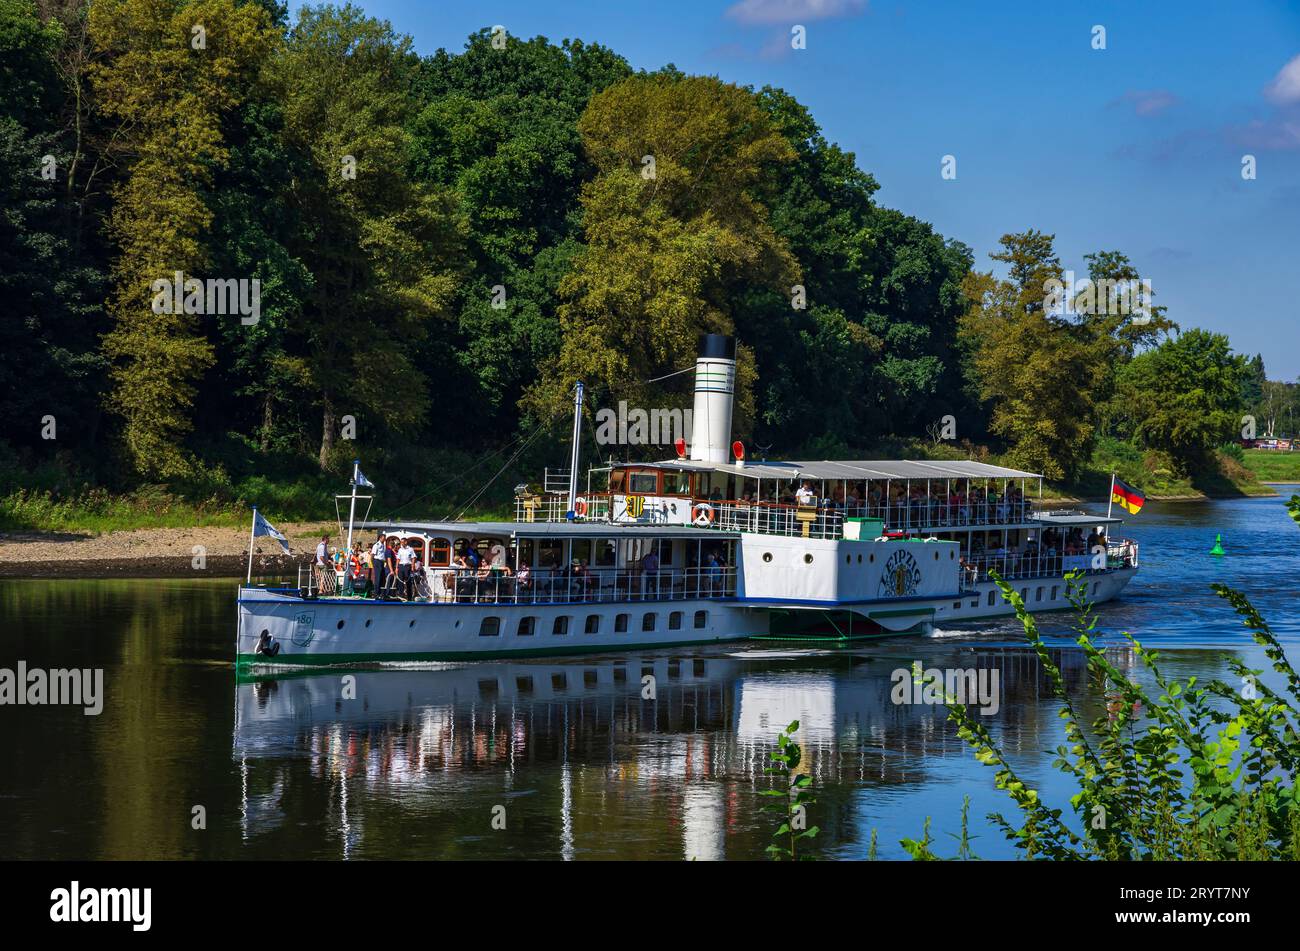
[
  {"x": 580, "y": 507},
  {"x": 702, "y": 514}
]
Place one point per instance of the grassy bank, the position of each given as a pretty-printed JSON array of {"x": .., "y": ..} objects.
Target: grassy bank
[{"x": 1269, "y": 466}]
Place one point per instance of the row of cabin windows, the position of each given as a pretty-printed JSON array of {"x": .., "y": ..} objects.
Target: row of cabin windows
[
  {"x": 491, "y": 625},
  {"x": 1024, "y": 595}
]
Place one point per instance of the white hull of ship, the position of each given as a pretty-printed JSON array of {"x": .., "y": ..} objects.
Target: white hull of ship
[{"x": 327, "y": 631}]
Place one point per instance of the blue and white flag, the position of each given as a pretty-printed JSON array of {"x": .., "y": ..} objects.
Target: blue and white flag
[
  {"x": 363, "y": 481},
  {"x": 263, "y": 528}
]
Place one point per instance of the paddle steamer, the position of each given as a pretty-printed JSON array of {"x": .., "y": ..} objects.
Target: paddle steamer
[{"x": 705, "y": 547}]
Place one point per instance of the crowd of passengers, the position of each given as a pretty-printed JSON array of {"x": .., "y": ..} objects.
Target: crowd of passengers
[
  {"x": 393, "y": 569},
  {"x": 1046, "y": 554},
  {"x": 945, "y": 503}
]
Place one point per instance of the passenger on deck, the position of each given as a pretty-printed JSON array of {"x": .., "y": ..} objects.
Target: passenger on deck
[
  {"x": 377, "y": 565},
  {"x": 405, "y": 556},
  {"x": 805, "y": 494}
]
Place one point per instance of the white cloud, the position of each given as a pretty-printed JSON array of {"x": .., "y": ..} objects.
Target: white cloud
[
  {"x": 793, "y": 11},
  {"x": 1285, "y": 87},
  {"x": 1148, "y": 102}
]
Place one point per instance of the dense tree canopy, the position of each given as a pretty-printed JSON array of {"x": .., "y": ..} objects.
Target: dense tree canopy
[{"x": 444, "y": 243}]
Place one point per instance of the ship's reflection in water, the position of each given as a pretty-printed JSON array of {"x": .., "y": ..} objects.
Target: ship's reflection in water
[{"x": 657, "y": 755}]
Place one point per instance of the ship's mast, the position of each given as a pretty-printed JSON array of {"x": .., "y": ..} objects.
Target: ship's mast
[{"x": 573, "y": 459}]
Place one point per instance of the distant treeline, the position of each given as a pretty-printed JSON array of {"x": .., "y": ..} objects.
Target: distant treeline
[{"x": 443, "y": 244}]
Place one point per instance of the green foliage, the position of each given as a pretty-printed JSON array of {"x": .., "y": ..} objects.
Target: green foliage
[
  {"x": 1185, "y": 396},
  {"x": 1200, "y": 771},
  {"x": 791, "y": 800},
  {"x": 1039, "y": 372},
  {"x": 516, "y": 166}
]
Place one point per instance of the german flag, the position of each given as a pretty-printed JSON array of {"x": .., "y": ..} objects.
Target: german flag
[{"x": 1127, "y": 497}]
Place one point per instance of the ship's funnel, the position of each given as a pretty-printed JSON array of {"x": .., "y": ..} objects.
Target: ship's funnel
[{"x": 715, "y": 386}]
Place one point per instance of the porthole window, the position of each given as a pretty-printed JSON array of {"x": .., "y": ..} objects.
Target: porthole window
[
  {"x": 767, "y": 556},
  {"x": 859, "y": 558},
  {"x": 808, "y": 559},
  {"x": 412, "y": 624},
  {"x": 848, "y": 559},
  {"x": 936, "y": 556},
  {"x": 871, "y": 557},
  {"x": 340, "y": 624},
  {"x": 368, "y": 622}
]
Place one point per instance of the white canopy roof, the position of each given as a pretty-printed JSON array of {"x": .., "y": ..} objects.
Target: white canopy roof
[{"x": 853, "y": 470}]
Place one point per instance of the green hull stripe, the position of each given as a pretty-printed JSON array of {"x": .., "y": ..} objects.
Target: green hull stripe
[{"x": 326, "y": 660}]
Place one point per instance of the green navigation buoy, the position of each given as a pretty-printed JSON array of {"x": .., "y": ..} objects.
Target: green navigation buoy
[{"x": 1218, "y": 546}]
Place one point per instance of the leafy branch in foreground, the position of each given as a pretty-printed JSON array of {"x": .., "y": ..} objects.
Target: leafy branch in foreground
[
  {"x": 1201, "y": 771},
  {"x": 794, "y": 796}
]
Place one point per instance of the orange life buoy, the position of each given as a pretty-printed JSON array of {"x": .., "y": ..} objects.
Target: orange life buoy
[
  {"x": 580, "y": 507},
  {"x": 702, "y": 514}
]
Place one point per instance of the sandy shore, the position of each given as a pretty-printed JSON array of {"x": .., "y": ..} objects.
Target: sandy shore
[{"x": 156, "y": 552}]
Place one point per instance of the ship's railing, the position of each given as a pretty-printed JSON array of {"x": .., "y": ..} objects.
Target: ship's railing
[
  {"x": 1048, "y": 563},
  {"x": 827, "y": 521},
  {"x": 595, "y": 585},
  {"x": 553, "y": 508}
]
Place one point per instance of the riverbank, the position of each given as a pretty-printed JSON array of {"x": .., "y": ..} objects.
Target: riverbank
[{"x": 201, "y": 551}]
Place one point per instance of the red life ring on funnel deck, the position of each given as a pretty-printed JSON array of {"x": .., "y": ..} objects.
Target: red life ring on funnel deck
[
  {"x": 702, "y": 514},
  {"x": 580, "y": 507}
]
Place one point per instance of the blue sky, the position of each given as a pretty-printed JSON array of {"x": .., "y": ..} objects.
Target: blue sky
[{"x": 1137, "y": 147}]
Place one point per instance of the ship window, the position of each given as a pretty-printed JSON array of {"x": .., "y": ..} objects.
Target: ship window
[
  {"x": 1094, "y": 589},
  {"x": 645, "y": 483},
  {"x": 1039, "y": 595},
  {"x": 871, "y": 557},
  {"x": 859, "y": 558},
  {"x": 701, "y": 618},
  {"x": 559, "y": 681},
  {"x": 490, "y": 627},
  {"x": 606, "y": 552},
  {"x": 767, "y": 556},
  {"x": 648, "y": 621},
  {"x": 527, "y": 627},
  {"x": 808, "y": 559},
  {"x": 488, "y": 689},
  {"x": 593, "y": 624},
  {"x": 439, "y": 553},
  {"x": 340, "y": 624},
  {"x": 991, "y": 598},
  {"x": 848, "y": 559},
  {"x": 524, "y": 685},
  {"x": 620, "y": 624},
  {"x": 675, "y": 621},
  {"x": 561, "y": 626},
  {"x": 677, "y": 483},
  {"x": 1054, "y": 588},
  {"x": 956, "y": 605}
]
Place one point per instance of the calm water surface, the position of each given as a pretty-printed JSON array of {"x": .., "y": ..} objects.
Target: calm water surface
[{"x": 417, "y": 765}]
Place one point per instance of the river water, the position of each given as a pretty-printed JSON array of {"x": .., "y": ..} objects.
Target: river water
[{"x": 564, "y": 758}]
